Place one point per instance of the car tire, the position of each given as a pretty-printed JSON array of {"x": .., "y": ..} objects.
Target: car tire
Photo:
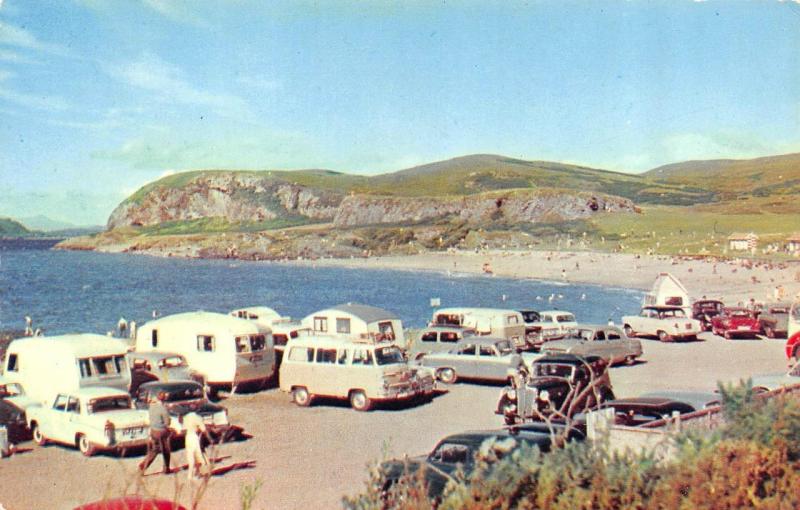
[
  {"x": 301, "y": 396},
  {"x": 629, "y": 332},
  {"x": 447, "y": 375},
  {"x": 663, "y": 336},
  {"x": 38, "y": 437},
  {"x": 84, "y": 445},
  {"x": 360, "y": 401}
]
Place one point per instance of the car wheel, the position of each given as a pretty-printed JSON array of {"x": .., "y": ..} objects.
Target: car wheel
[
  {"x": 796, "y": 353},
  {"x": 360, "y": 401},
  {"x": 728, "y": 335},
  {"x": 447, "y": 375},
  {"x": 769, "y": 332},
  {"x": 663, "y": 336},
  {"x": 38, "y": 437},
  {"x": 301, "y": 396},
  {"x": 630, "y": 360},
  {"x": 629, "y": 331},
  {"x": 84, "y": 445}
]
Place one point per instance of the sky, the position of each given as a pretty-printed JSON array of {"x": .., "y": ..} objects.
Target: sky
[{"x": 100, "y": 97}]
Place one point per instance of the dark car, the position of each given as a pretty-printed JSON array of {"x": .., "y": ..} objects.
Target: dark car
[
  {"x": 183, "y": 397},
  {"x": 635, "y": 411},
  {"x": 736, "y": 322},
  {"x": 12, "y": 417},
  {"x": 558, "y": 387},
  {"x": 460, "y": 451},
  {"x": 774, "y": 320},
  {"x": 706, "y": 309}
]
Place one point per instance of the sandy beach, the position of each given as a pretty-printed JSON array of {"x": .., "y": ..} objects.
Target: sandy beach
[{"x": 731, "y": 280}]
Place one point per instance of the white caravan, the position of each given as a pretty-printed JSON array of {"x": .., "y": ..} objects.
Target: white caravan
[
  {"x": 226, "y": 351},
  {"x": 499, "y": 322},
  {"x": 268, "y": 320},
  {"x": 46, "y": 366},
  {"x": 356, "y": 321},
  {"x": 668, "y": 291}
]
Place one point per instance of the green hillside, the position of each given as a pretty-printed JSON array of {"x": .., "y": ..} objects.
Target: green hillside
[
  {"x": 12, "y": 228},
  {"x": 761, "y": 177}
]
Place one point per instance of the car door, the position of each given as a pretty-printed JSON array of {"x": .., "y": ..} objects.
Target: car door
[
  {"x": 464, "y": 360},
  {"x": 616, "y": 347},
  {"x": 57, "y": 425},
  {"x": 490, "y": 364}
]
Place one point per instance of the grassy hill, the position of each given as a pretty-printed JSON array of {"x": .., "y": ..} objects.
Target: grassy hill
[
  {"x": 13, "y": 228},
  {"x": 761, "y": 177}
]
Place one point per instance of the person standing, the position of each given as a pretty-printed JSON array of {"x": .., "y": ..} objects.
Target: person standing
[
  {"x": 195, "y": 457},
  {"x": 160, "y": 435}
]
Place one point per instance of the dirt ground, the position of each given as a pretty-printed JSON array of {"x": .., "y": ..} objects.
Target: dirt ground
[{"x": 311, "y": 457}]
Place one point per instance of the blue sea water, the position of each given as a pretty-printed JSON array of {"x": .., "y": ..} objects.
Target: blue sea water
[{"x": 88, "y": 292}]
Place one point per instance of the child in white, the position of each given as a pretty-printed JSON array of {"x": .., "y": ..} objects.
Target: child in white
[{"x": 194, "y": 452}]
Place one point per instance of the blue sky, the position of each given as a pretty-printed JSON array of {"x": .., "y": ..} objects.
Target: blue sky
[{"x": 99, "y": 97}]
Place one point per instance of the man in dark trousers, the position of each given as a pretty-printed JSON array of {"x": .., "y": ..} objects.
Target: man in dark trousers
[{"x": 159, "y": 434}]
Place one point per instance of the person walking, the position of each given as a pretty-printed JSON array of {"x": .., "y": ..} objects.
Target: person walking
[
  {"x": 195, "y": 457},
  {"x": 160, "y": 435}
]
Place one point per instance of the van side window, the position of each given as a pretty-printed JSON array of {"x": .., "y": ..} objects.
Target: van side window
[
  {"x": 321, "y": 324},
  {"x": 86, "y": 369},
  {"x": 12, "y": 363},
  {"x": 326, "y": 355},
  {"x": 512, "y": 319},
  {"x": 612, "y": 335},
  {"x": 60, "y": 403},
  {"x": 103, "y": 366},
  {"x": 342, "y": 357},
  {"x": 300, "y": 354},
  {"x": 154, "y": 337},
  {"x": 448, "y": 336},
  {"x": 430, "y": 336},
  {"x": 362, "y": 356},
  {"x": 343, "y": 326},
  {"x": 205, "y": 343}
]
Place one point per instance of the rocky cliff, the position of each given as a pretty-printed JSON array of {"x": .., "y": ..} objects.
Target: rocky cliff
[{"x": 252, "y": 197}]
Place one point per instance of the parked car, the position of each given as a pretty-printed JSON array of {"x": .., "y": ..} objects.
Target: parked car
[
  {"x": 792, "y": 348},
  {"x": 706, "y": 309},
  {"x": 132, "y": 503},
  {"x": 184, "y": 397},
  {"x": 774, "y": 320},
  {"x": 13, "y": 406},
  {"x": 559, "y": 386},
  {"x": 92, "y": 419},
  {"x": 735, "y": 322},
  {"x": 158, "y": 366},
  {"x": 494, "y": 322},
  {"x": 697, "y": 399},
  {"x": 636, "y": 411},
  {"x": 607, "y": 342},
  {"x": 546, "y": 326},
  {"x": 668, "y": 323},
  {"x": 769, "y": 382},
  {"x": 460, "y": 451},
  {"x": 475, "y": 357},
  {"x": 362, "y": 372},
  {"x": 437, "y": 339}
]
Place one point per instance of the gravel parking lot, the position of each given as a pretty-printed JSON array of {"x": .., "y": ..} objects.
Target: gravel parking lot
[{"x": 310, "y": 458}]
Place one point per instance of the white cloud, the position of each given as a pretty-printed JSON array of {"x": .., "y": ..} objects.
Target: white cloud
[
  {"x": 169, "y": 84},
  {"x": 177, "y": 10},
  {"x": 35, "y": 101},
  {"x": 11, "y": 35},
  {"x": 15, "y": 58}
]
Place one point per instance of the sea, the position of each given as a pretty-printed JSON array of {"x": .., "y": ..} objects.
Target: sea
[{"x": 88, "y": 292}]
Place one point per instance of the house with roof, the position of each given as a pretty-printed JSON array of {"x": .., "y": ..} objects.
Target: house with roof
[
  {"x": 742, "y": 242},
  {"x": 793, "y": 243},
  {"x": 357, "y": 321}
]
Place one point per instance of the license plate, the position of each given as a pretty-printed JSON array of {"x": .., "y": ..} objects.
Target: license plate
[{"x": 131, "y": 432}]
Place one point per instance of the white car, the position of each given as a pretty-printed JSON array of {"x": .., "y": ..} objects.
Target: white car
[
  {"x": 668, "y": 323},
  {"x": 547, "y": 325},
  {"x": 92, "y": 419}
]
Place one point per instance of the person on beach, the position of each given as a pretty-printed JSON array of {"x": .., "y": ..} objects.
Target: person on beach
[
  {"x": 159, "y": 434},
  {"x": 195, "y": 457},
  {"x": 28, "y": 326},
  {"x": 122, "y": 327}
]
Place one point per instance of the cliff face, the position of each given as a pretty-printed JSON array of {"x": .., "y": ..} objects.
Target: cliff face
[{"x": 251, "y": 197}]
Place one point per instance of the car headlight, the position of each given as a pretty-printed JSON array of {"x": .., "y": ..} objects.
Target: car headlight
[{"x": 544, "y": 395}]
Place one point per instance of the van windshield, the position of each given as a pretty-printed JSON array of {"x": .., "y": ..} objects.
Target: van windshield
[{"x": 388, "y": 355}]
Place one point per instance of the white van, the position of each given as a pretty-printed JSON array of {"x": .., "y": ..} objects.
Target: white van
[
  {"x": 498, "y": 322},
  {"x": 226, "y": 351},
  {"x": 46, "y": 366},
  {"x": 362, "y": 372}
]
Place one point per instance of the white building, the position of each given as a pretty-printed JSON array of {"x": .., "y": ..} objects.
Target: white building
[{"x": 742, "y": 242}]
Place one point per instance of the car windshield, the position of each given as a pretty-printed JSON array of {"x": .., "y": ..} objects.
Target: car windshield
[
  {"x": 172, "y": 362},
  {"x": 452, "y": 453},
  {"x": 552, "y": 369},
  {"x": 504, "y": 347},
  {"x": 388, "y": 355},
  {"x": 100, "y": 405},
  {"x": 188, "y": 392},
  {"x": 530, "y": 316}
]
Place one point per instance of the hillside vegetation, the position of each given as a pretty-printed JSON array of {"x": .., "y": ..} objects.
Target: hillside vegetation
[{"x": 12, "y": 228}]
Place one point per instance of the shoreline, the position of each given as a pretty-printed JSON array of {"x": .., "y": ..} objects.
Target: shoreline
[{"x": 736, "y": 280}]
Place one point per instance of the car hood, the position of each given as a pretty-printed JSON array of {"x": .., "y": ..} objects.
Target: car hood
[
  {"x": 201, "y": 408},
  {"x": 543, "y": 383}
]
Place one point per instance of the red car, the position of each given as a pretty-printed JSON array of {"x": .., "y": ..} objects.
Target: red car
[
  {"x": 793, "y": 348},
  {"x": 736, "y": 322},
  {"x": 132, "y": 503}
]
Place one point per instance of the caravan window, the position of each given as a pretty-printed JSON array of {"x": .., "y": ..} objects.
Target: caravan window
[
  {"x": 103, "y": 366},
  {"x": 205, "y": 343},
  {"x": 86, "y": 369},
  {"x": 12, "y": 363},
  {"x": 387, "y": 330},
  {"x": 154, "y": 337},
  {"x": 321, "y": 324},
  {"x": 257, "y": 342},
  {"x": 674, "y": 301},
  {"x": 343, "y": 326},
  {"x": 119, "y": 363},
  {"x": 242, "y": 344}
]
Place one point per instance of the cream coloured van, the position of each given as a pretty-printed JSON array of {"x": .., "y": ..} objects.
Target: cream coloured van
[
  {"x": 498, "y": 322},
  {"x": 362, "y": 372}
]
